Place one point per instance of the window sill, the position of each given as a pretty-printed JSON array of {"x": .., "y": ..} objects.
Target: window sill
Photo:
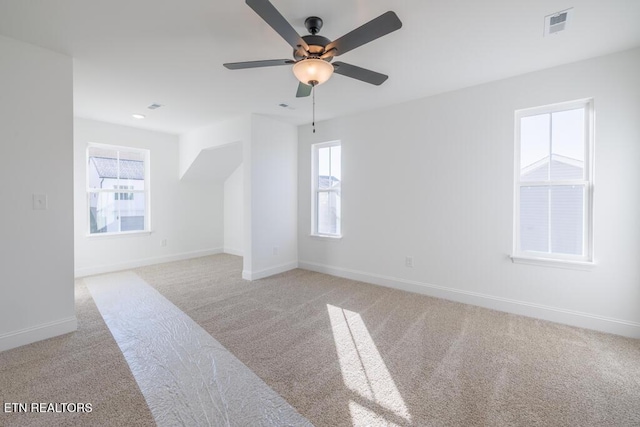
[
  {"x": 116, "y": 235},
  {"x": 325, "y": 236},
  {"x": 556, "y": 263}
]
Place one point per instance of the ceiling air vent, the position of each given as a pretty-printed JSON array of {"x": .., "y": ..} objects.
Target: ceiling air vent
[
  {"x": 154, "y": 106},
  {"x": 557, "y": 22}
]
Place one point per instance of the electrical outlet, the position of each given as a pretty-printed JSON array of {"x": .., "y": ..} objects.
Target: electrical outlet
[
  {"x": 408, "y": 262},
  {"x": 164, "y": 242}
]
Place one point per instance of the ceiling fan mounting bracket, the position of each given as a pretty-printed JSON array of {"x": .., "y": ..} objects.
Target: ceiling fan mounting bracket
[{"x": 313, "y": 24}]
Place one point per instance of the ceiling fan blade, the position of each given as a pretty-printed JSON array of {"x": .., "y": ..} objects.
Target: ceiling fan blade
[
  {"x": 359, "y": 73},
  {"x": 271, "y": 16},
  {"x": 382, "y": 25},
  {"x": 303, "y": 90},
  {"x": 256, "y": 64}
]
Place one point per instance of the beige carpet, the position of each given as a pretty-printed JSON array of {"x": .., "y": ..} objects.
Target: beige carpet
[
  {"x": 347, "y": 353},
  {"x": 401, "y": 358},
  {"x": 84, "y": 366}
]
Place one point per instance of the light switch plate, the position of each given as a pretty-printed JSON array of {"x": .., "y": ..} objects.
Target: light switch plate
[{"x": 40, "y": 202}]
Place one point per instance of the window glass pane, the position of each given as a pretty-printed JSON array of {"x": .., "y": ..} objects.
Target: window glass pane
[
  {"x": 534, "y": 147},
  {"x": 102, "y": 168},
  {"x": 124, "y": 192},
  {"x": 132, "y": 210},
  {"x": 327, "y": 215},
  {"x": 324, "y": 168},
  {"x": 567, "y": 219},
  {"x": 534, "y": 219},
  {"x": 132, "y": 169},
  {"x": 568, "y": 144},
  {"x": 329, "y": 212},
  {"x": 117, "y": 198},
  {"x": 336, "y": 160},
  {"x": 103, "y": 213}
]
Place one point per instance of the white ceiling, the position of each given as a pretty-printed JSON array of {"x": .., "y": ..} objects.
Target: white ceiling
[{"x": 131, "y": 53}]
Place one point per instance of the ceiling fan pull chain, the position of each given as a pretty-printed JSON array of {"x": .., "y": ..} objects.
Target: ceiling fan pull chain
[{"x": 313, "y": 122}]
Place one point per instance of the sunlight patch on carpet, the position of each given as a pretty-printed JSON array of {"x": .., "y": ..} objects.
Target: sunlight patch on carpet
[{"x": 364, "y": 372}]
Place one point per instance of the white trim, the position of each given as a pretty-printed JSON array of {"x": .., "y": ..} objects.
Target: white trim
[
  {"x": 101, "y": 269},
  {"x": 38, "y": 333},
  {"x": 233, "y": 251},
  {"x": 326, "y": 236},
  {"x": 554, "y": 108},
  {"x": 553, "y": 262},
  {"x": 119, "y": 234},
  {"x": 523, "y": 308},
  {"x": 267, "y": 272}
]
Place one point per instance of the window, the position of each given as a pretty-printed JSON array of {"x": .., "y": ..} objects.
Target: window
[
  {"x": 327, "y": 180},
  {"x": 554, "y": 182},
  {"x": 124, "y": 196},
  {"x": 117, "y": 189}
]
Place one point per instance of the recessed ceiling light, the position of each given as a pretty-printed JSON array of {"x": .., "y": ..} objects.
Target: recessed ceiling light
[{"x": 138, "y": 116}]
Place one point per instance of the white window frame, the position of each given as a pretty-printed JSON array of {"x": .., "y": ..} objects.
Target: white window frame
[
  {"x": 315, "y": 190},
  {"x": 586, "y": 260},
  {"x": 147, "y": 186}
]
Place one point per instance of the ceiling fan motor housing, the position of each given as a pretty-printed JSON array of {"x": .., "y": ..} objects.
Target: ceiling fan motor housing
[{"x": 316, "y": 47}]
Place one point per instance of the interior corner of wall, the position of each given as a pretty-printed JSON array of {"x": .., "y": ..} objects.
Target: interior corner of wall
[{"x": 185, "y": 156}]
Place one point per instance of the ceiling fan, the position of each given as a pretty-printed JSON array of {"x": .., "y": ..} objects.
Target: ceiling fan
[{"x": 312, "y": 54}]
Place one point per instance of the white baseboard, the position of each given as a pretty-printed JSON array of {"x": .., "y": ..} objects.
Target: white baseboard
[
  {"x": 553, "y": 314},
  {"x": 38, "y": 333},
  {"x": 102, "y": 269},
  {"x": 233, "y": 251},
  {"x": 261, "y": 274}
]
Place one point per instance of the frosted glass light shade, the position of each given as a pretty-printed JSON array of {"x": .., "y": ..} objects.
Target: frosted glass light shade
[{"x": 312, "y": 71}]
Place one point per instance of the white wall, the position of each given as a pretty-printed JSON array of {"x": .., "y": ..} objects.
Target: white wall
[
  {"x": 36, "y": 135},
  {"x": 270, "y": 198},
  {"x": 207, "y": 143},
  {"x": 188, "y": 215},
  {"x": 433, "y": 179},
  {"x": 237, "y": 129},
  {"x": 268, "y": 241},
  {"x": 234, "y": 213}
]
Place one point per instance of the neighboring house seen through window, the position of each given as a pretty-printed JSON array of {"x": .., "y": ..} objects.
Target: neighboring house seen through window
[
  {"x": 554, "y": 182},
  {"x": 117, "y": 189},
  {"x": 124, "y": 196},
  {"x": 327, "y": 179}
]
